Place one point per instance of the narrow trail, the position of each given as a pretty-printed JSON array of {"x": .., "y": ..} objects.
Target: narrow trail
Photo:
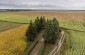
[
  {"x": 58, "y": 46},
  {"x": 37, "y": 47}
]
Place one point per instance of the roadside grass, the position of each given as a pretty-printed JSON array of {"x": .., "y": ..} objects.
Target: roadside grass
[
  {"x": 13, "y": 41},
  {"x": 75, "y": 43},
  {"x": 8, "y": 25},
  {"x": 48, "y": 48}
]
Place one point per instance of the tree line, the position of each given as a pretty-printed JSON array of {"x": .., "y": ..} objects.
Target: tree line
[{"x": 50, "y": 26}]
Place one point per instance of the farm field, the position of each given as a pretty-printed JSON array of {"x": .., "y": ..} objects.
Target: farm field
[
  {"x": 77, "y": 43},
  {"x": 75, "y": 39},
  {"x": 69, "y": 21},
  {"x": 59, "y": 14},
  {"x": 13, "y": 41},
  {"x": 7, "y": 25},
  {"x": 15, "y": 18}
]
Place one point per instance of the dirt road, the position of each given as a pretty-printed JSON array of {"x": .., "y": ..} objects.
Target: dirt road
[{"x": 38, "y": 46}]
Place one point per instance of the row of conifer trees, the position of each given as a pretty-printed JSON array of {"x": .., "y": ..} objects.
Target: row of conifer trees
[{"x": 50, "y": 26}]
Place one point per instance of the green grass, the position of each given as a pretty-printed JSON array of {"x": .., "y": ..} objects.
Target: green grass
[
  {"x": 75, "y": 39},
  {"x": 16, "y": 18},
  {"x": 77, "y": 43}
]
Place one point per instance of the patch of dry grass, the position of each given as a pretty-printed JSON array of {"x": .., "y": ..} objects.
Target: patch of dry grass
[{"x": 13, "y": 41}]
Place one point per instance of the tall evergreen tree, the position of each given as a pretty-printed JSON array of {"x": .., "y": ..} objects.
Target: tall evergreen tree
[
  {"x": 31, "y": 32},
  {"x": 37, "y": 24},
  {"x": 51, "y": 31},
  {"x": 42, "y": 22},
  {"x": 56, "y": 25}
]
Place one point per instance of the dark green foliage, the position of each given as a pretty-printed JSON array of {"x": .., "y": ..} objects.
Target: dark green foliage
[
  {"x": 31, "y": 32},
  {"x": 37, "y": 24},
  {"x": 40, "y": 23},
  {"x": 34, "y": 28},
  {"x": 51, "y": 27},
  {"x": 51, "y": 31}
]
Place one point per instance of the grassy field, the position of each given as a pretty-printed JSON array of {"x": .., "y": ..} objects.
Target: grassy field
[
  {"x": 13, "y": 42},
  {"x": 72, "y": 23},
  {"x": 16, "y": 18},
  {"x": 7, "y": 25},
  {"x": 75, "y": 43}
]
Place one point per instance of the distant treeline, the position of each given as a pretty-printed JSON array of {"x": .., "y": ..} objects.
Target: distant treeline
[
  {"x": 6, "y": 10},
  {"x": 10, "y": 10}
]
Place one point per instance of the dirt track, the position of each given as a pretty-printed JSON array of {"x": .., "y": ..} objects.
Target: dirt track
[{"x": 39, "y": 44}]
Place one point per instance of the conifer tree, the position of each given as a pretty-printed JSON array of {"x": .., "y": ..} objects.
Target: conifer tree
[
  {"x": 51, "y": 31},
  {"x": 31, "y": 32},
  {"x": 42, "y": 22},
  {"x": 37, "y": 24}
]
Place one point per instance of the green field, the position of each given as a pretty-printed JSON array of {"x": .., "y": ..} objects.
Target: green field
[
  {"x": 75, "y": 43},
  {"x": 75, "y": 39},
  {"x": 16, "y": 18}
]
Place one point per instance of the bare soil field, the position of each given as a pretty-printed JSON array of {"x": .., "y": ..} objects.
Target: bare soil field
[{"x": 58, "y": 14}]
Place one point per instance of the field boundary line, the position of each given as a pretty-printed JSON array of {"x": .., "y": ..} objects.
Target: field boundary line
[{"x": 14, "y": 22}]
